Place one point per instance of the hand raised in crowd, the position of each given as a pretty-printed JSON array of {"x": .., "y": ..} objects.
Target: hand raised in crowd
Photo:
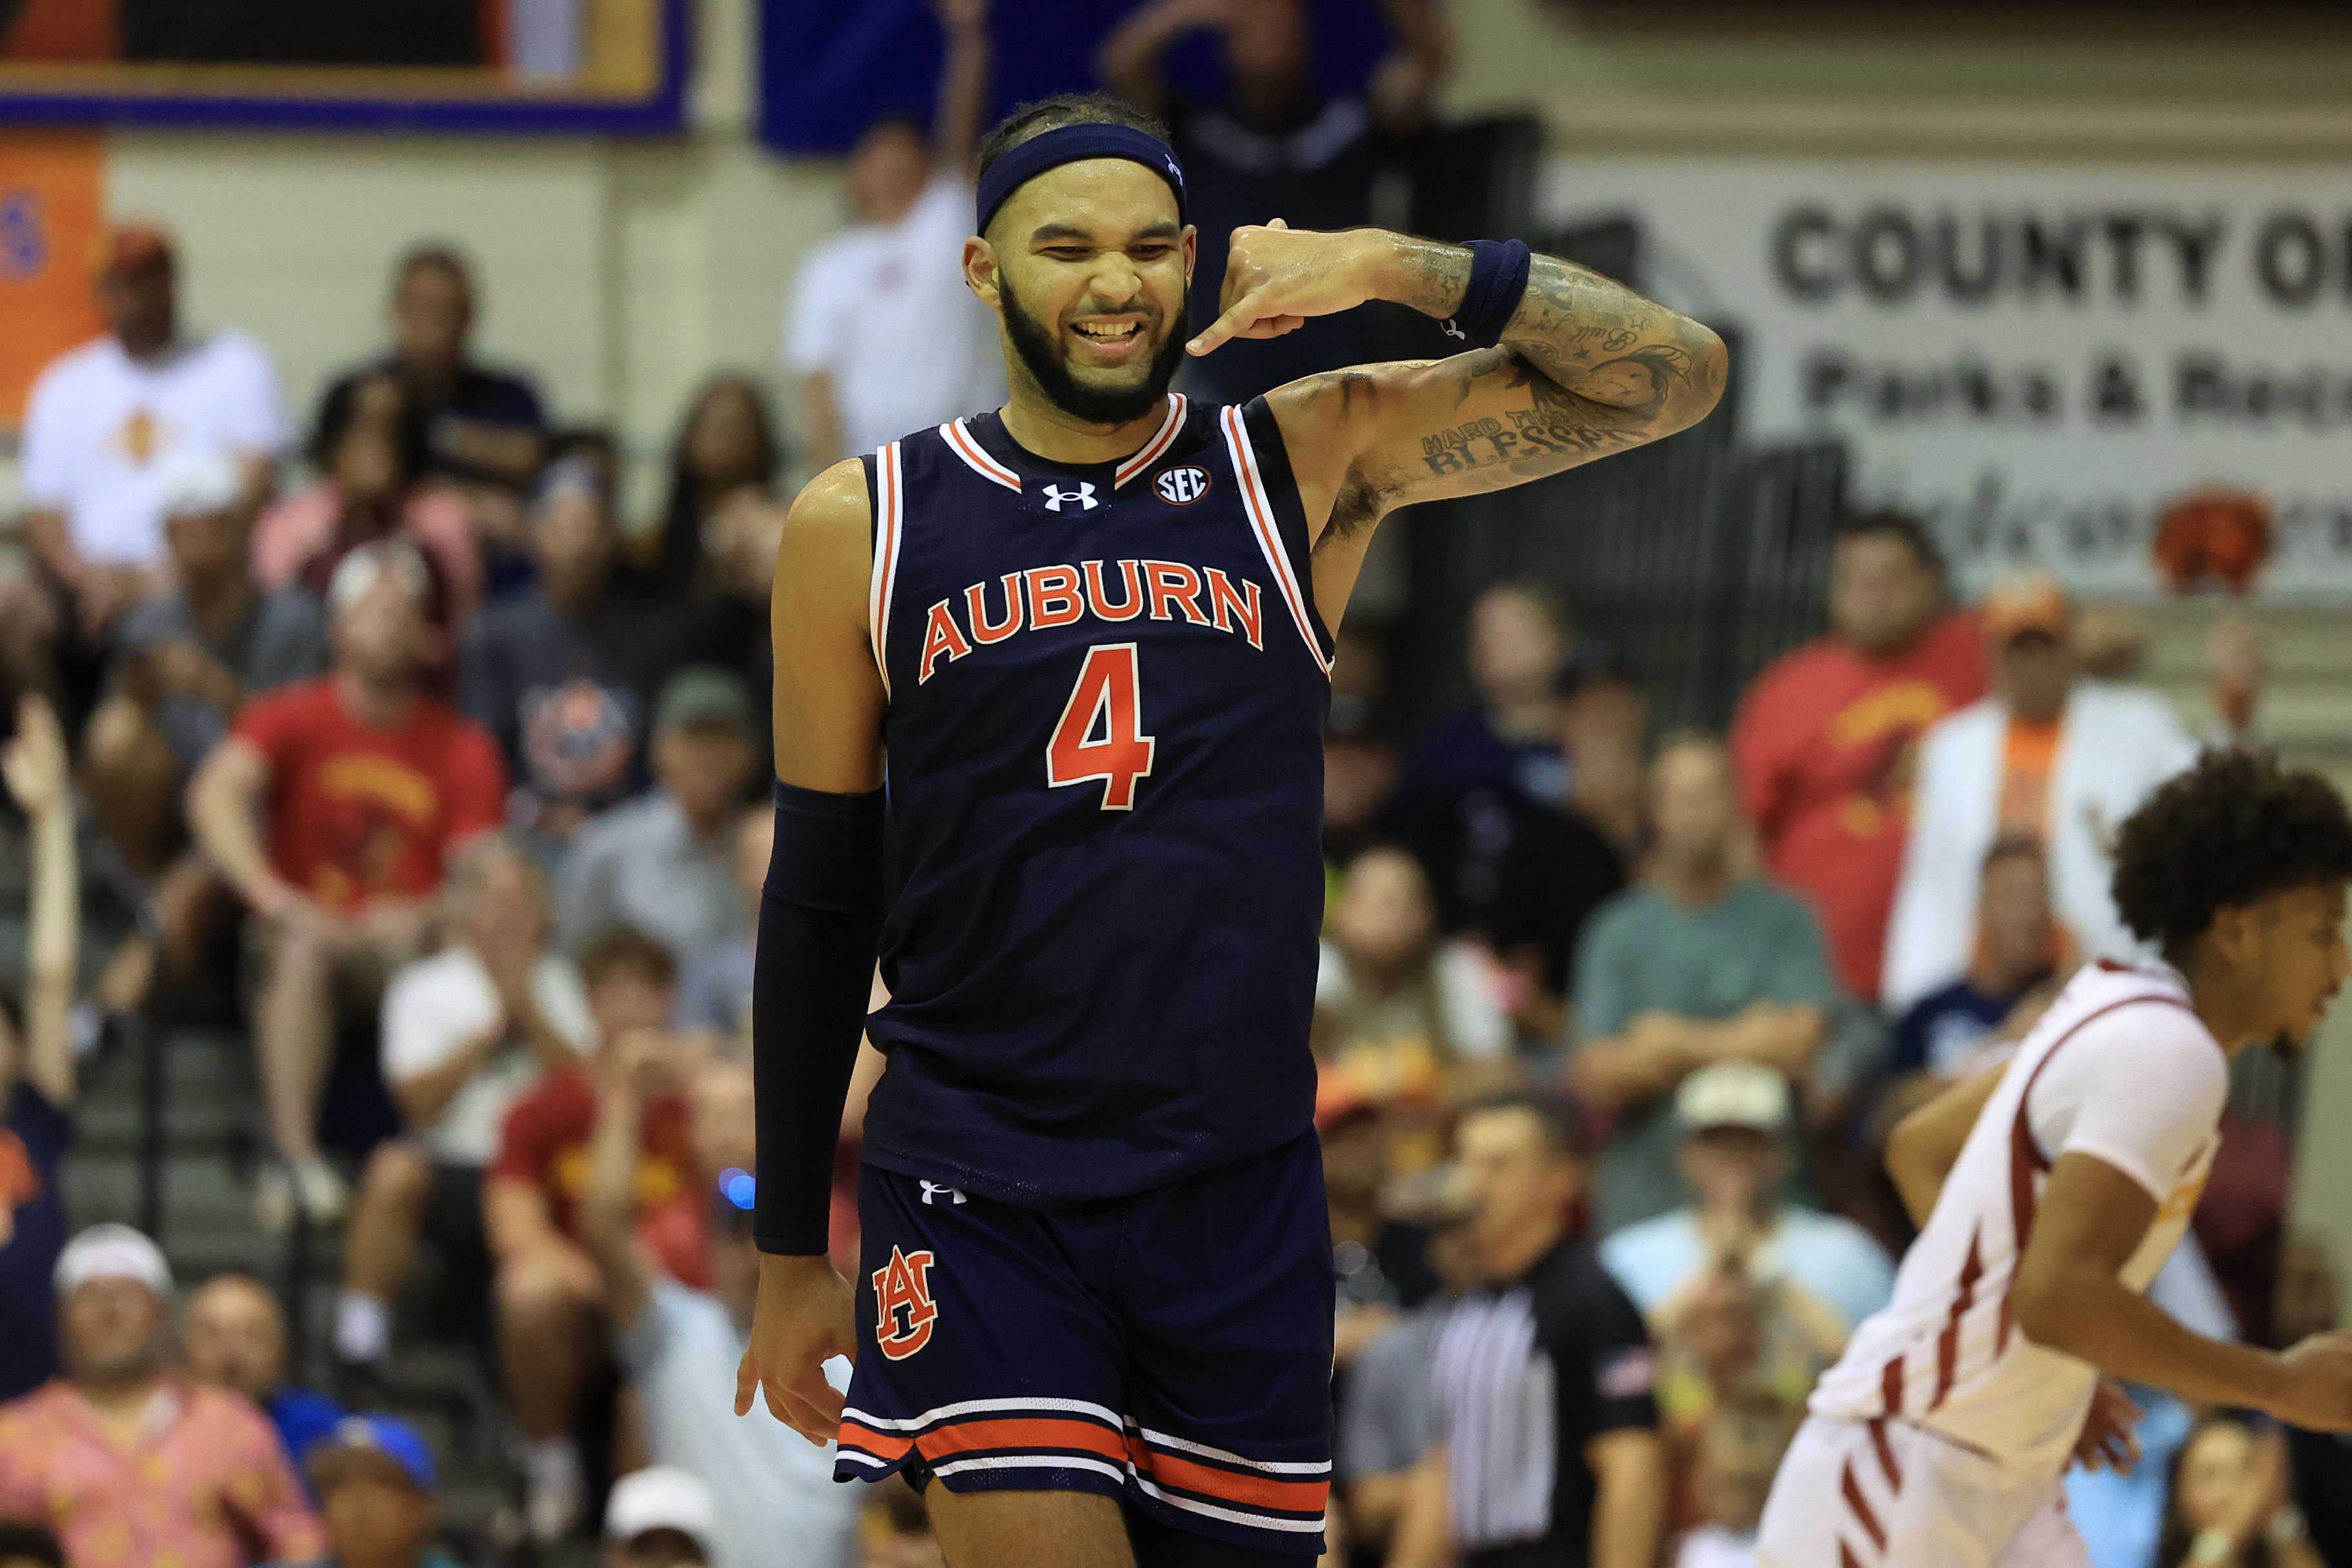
[
  {"x": 35, "y": 761},
  {"x": 643, "y": 1063},
  {"x": 184, "y": 670}
]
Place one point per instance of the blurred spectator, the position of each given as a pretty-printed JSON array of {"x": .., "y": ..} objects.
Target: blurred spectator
[
  {"x": 1387, "y": 1405},
  {"x": 1403, "y": 1016},
  {"x": 369, "y": 465},
  {"x": 665, "y": 862},
  {"x": 1575, "y": 1477},
  {"x": 661, "y": 1517},
  {"x": 1604, "y": 725},
  {"x": 883, "y": 336},
  {"x": 36, "y": 1059},
  {"x": 185, "y": 664},
  {"x": 1737, "y": 1128},
  {"x": 2309, "y": 1300},
  {"x": 1519, "y": 640},
  {"x": 1737, "y": 1454},
  {"x": 1275, "y": 146},
  {"x": 473, "y": 424},
  {"x": 1381, "y": 1262},
  {"x": 1944, "y": 1034},
  {"x": 547, "y": 1292},
  {"x": 2052, "y": 758},
  {"x": 680, "y": 1346},
  {"x": 565, "y": 672},
  {"x": 131, "y": 1465},
  {"x": 2230, "y": 1505},
  {"x": 234, "y": 1338},
  {"x": 1360, "y": 769},
  {"x": 714, "y": 989},
  {"x": 1826, "y": 740},
  {"x": 724, "y": 462},
  {"x": 26, "y": 1545},
  {"x": 367, "y": 786},
  {"x": 375, "y": 1478},
  {"x": 97, "y": 426},
  {"x": 467, "y": 1033},
  {"x": 1703, "y": 963}
]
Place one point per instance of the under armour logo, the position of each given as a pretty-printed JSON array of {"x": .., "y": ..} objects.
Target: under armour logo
[
  {"x": 932, "y": 1189},
  {"x": 1084, "y": 495},
  {"x": 1454, "y": 331}
]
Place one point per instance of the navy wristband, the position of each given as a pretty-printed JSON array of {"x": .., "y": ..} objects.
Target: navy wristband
[{"x": 1499, "y": 281}]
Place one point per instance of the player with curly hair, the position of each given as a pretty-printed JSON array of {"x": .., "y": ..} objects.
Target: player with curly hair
[{"x": 2049, "y": 1190}]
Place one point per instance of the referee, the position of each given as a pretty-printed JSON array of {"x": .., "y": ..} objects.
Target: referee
[{"x": 1547, "y": 1453}]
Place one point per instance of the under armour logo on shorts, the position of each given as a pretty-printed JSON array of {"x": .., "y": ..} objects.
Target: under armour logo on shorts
[
  {"x": 932, "y": 1189},
  {"x": 1084, "y": 495}
]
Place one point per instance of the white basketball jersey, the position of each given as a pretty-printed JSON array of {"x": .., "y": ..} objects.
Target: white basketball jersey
[{"x": 2119, "y": 1068}]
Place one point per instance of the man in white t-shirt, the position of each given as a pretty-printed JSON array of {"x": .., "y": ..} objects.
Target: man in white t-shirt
[
  {"x": 883, "y": 335},
  {"x": 2050, "y": 1190},
  {"x": 100, "y": 425},
  {"x": 467, "y": 1033}
]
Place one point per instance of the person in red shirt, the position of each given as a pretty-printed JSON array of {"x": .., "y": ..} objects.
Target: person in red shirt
[
  {"x": 548, "y": 1291},
  {"x": 332, "y": 807},
  {"x": 1824, "y": 740}
]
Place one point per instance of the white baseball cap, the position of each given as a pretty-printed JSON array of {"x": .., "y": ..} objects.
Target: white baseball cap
[
  {"x": 112, "y": 1252},
  {"x": 661, "y": 1497},
  {"x": 194, "y": 480},
  {"x": 1733, "y": 1094}
]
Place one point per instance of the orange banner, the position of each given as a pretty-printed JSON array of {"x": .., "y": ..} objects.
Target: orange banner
[{"x": 52, "y": 223}]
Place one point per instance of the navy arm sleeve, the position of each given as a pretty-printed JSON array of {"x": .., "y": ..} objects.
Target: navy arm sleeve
[{"x": 820, "y": 923}]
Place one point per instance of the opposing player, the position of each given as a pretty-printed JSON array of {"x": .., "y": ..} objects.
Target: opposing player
[
  {"x": 2050, "y": 1192},
  {"x": 1091, "y": 632}
]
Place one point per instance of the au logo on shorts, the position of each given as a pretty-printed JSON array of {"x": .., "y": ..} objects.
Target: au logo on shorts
[
  {"x": 1182, "y": 486},
  {"x": 903, "y": 1286}
]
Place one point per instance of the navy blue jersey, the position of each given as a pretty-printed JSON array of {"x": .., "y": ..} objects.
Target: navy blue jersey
[{"x": 1108, "y": 684}]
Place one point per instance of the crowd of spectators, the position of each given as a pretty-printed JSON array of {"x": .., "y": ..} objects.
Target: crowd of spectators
[{"x": 412, "y": 749}]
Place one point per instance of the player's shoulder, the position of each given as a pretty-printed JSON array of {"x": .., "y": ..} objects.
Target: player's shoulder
[
  {"x": 833, "y": 512},
  {"x": 2142, "y": 1009}
]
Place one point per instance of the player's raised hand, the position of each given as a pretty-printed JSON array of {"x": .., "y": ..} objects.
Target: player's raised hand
[
  {"x": 1276, "y": 277},
  {"x": 2318, "y": 1396},
  {"x": 801, "y": 1321}
]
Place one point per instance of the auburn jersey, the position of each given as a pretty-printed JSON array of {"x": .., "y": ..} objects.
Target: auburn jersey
[{"x": 1107, "y": 685}]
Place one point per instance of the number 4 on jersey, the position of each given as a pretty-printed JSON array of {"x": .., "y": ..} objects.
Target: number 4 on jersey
[{"x": 1101, "y": 732}]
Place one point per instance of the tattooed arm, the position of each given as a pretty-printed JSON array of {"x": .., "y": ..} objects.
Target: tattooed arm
[{"x": 1585, "y": 367}]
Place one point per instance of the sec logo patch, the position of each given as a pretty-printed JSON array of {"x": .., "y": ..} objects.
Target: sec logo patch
[{"x": 1182, "y": 486}]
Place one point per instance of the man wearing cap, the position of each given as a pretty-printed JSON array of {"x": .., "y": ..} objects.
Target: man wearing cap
[
  {"x": 2052, "y": 757},
  {"x": 100, "y": 424},
  {"x": 375, "y": 1478},
  {"x": 1735, "y": 1126},
  {"x": 332, "y": 808},
  {"x": 663, "y": 1516},
  {"x": 665, "y": 862},
  {"x": 133, "y": 1464}
]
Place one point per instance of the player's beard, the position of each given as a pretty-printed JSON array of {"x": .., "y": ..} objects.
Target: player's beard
[{"x": 1048, "y": 365}]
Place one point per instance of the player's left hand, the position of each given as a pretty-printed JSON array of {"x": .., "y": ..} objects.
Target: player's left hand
[
  {"x": 801, "y": 1319},
  {"x": 1276, "y": 277},
  {"x": 2107, "y": 1443}
]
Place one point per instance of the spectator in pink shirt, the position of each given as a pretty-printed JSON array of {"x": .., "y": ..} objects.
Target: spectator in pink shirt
[{"x": 132, "y": 1465}]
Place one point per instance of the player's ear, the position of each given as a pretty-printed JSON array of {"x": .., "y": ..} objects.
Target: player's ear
[
  {"x": 1191, "y": 246},
  {"x": 980, "y": 264}
]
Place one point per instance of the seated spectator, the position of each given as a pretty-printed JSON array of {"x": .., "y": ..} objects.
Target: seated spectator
[
  {"x": 132, "y": 1465},
  {"x": 183, "y": 666},
  {"x": 1387, "y": 1411},
  {"x": 467, "y": 1033},
  {"x": 1361, "y": 768},
  {"x": 29, "y": 1546},
  {"x": 714, "y": 992},
  {"x": 547, "y": 1293},
  {"x": 234, "y": 1338},
  {"x": 367, "y": 786},
  {"x": 2052, "y": 758},
  {"x": 1738, "y": 1454},
  {"x": 665, "y": 863},
  {"x": 1736, "y": 1126},
  {"x": 564, "y": 673},
  {"x": 1403, "y": 1016},
  {"x": 476, "y": 424},
  {"x": 370, "y": 469},
  {"x": 1380, "y": 1261},
  {"x": 1826, "y": 740},
  {"x": 1956, "y": 1032},
  {"x": 1703, "y": 963},
  {"x": 1604, "y": 727},
  {"x": 2230, "y": 1505},
  {"x": 1575, "y": 1477},
  {"x": 375, "y": 1478},
  {"x": 1507, "y": 743},
  {"x": 662, "y": 1517},
  {"x": 98, "y": 424},
  {"x": 722, "y": 465},
  {"x": 36, "y": 1059},
  {"x": 681, "y": 1346}
]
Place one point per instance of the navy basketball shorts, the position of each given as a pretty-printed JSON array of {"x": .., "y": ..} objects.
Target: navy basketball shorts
[{"x": 1171, "y": 1350}]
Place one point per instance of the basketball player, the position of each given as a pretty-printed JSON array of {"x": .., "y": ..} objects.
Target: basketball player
[
  {"x": 1091, "y": 633},
  {"x": 2050, "y": 1190}
]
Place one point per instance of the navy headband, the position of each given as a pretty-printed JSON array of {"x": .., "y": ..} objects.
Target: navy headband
[{"x": 1069, "y": 144}]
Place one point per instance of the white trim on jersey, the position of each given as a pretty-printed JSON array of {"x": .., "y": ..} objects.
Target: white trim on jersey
[
  {"x": 1168, "y": 428},
  {"x": 961, "y": 443},
  {"x": 1260, "y": 507},
  {"x": 890, "y": 516}
]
